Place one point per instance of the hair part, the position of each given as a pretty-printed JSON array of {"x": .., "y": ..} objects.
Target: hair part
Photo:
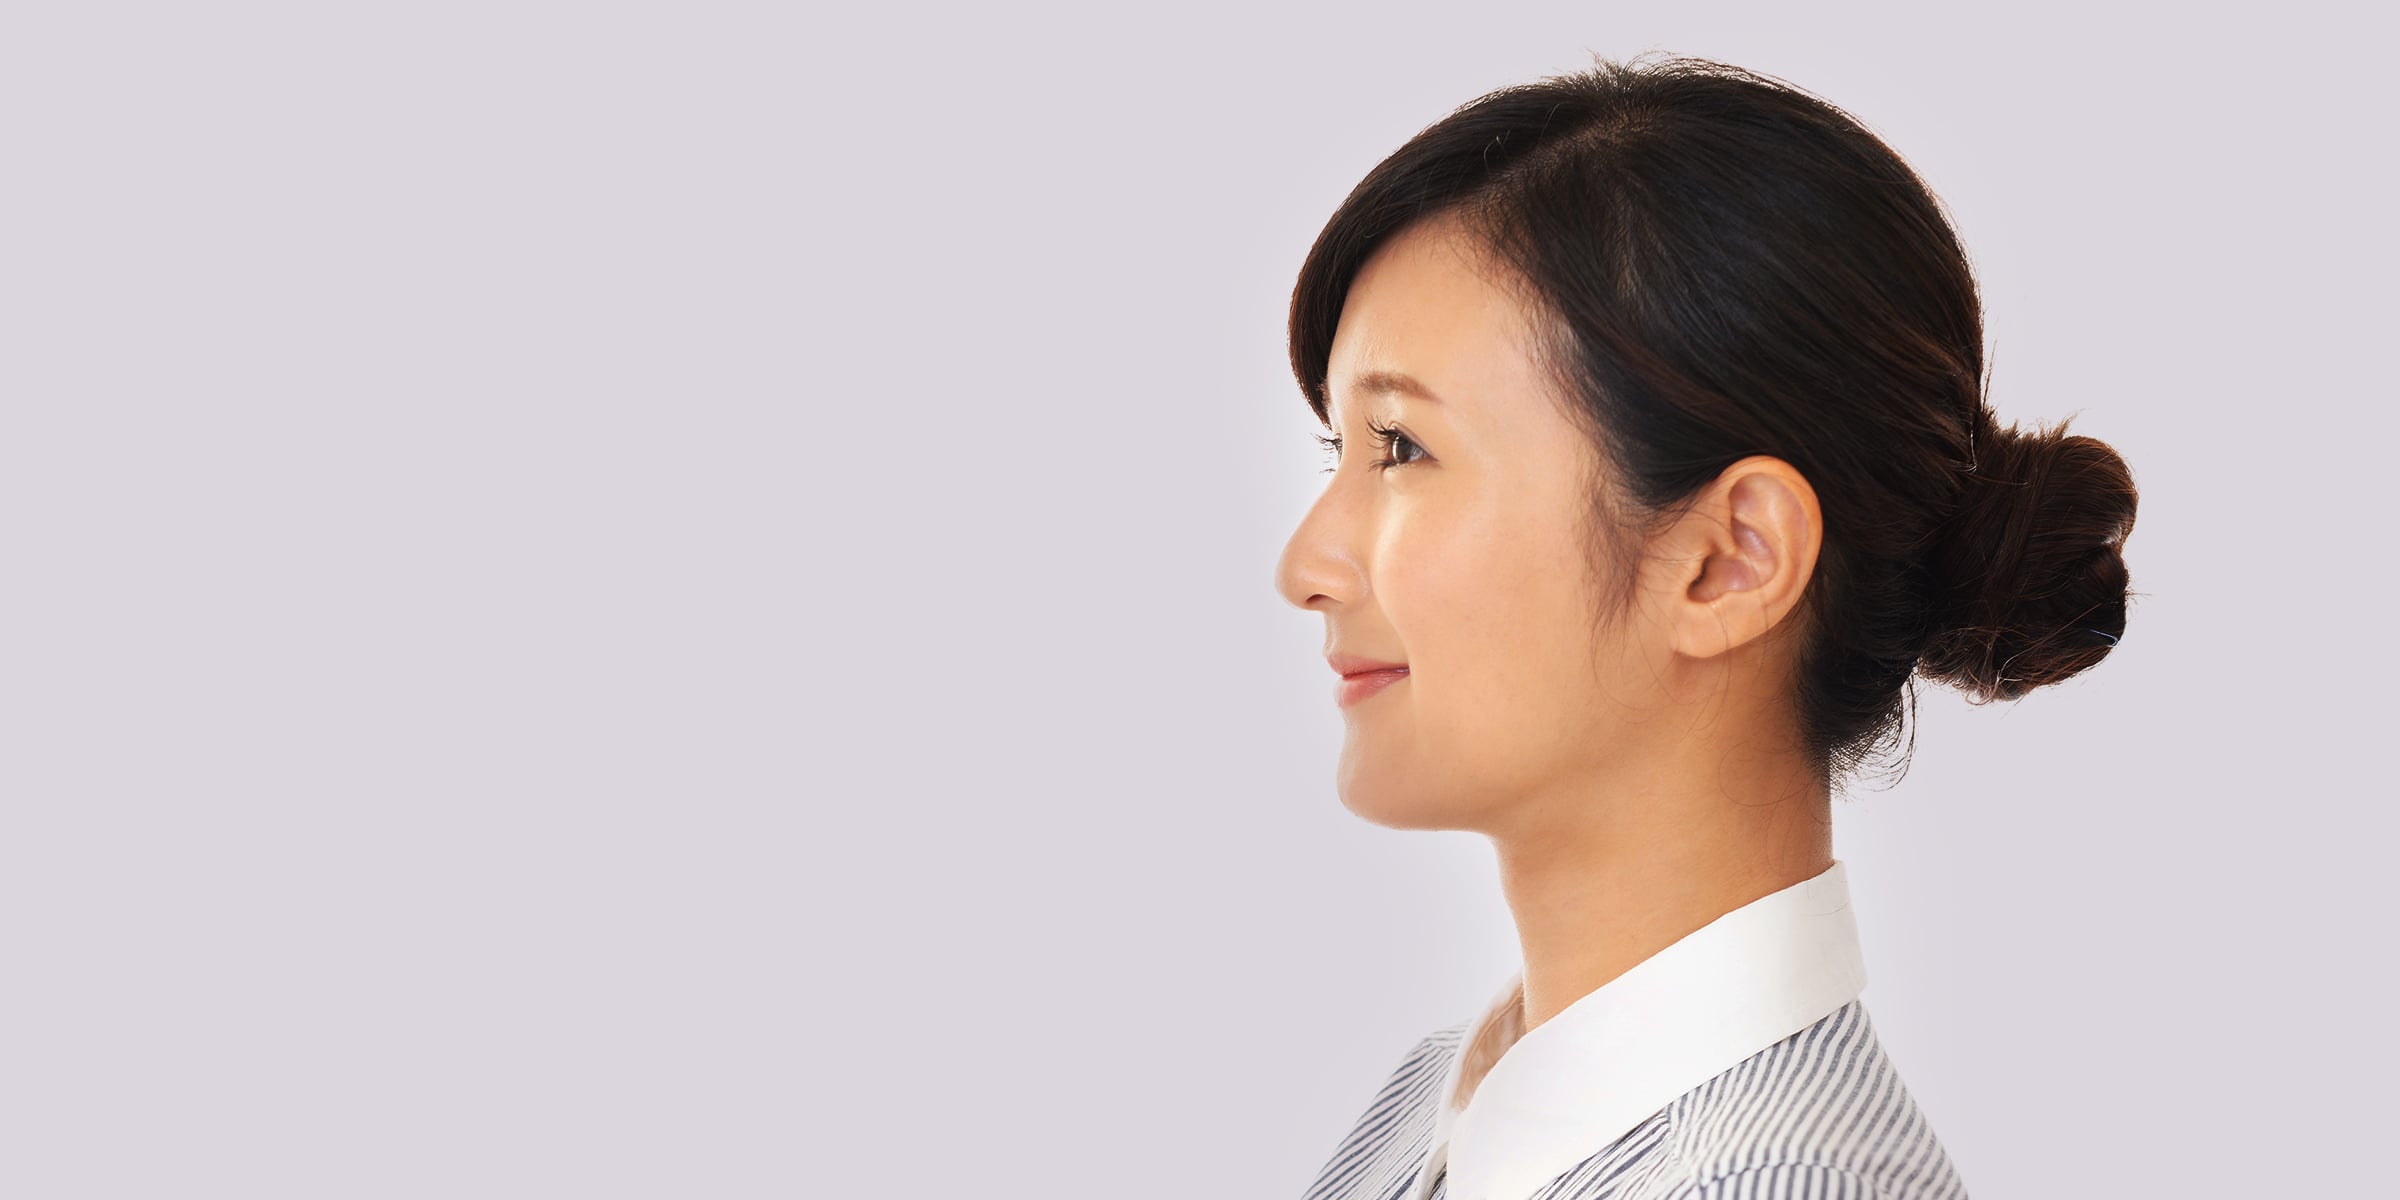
[{"x": 1725, "y": 265}]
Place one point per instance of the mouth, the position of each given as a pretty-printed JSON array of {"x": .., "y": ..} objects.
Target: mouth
[{"x": 1357, "y": 686}]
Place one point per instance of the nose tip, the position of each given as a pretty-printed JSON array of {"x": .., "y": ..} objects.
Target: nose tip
[
  {"x": 1299, "y": 570},
  {"x": 1286, "y": 579},
  {"x": 1317, "y": 568},
  {"x": 1306, "y": 576}
]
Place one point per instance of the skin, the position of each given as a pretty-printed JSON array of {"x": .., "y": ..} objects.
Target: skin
[{"x": 1637, "y": 781}]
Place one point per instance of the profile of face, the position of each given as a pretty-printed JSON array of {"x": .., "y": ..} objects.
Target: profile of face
[{"x": 1460, "y": 549}]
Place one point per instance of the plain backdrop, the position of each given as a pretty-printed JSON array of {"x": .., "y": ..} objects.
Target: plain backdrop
[{"x": 676, "y": 599}]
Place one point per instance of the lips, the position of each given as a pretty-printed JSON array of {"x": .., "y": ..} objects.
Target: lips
[
  {"x": 1347, "y": 665},
  {"x": 1359, "y": 685}
]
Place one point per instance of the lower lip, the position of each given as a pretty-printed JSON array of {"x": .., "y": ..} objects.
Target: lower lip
[{"x": 1354, "y": 688}]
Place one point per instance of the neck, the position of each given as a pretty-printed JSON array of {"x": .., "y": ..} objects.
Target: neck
[{"x": 1633, "y": 872}]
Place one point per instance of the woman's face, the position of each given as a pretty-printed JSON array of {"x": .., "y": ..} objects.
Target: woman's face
[{"x": 1465, "y": 560}]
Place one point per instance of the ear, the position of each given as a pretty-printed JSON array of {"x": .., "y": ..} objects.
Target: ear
[{"x": 1744, "y": 553}]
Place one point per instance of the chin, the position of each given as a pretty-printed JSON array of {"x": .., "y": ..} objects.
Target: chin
[{"x": 1396, "y": 803}]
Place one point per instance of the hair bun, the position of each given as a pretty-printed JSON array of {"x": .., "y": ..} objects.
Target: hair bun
[{"x": 2030, "y": 571}]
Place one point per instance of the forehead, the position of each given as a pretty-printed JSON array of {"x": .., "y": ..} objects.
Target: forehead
[{"x": 1430, "y": 306}]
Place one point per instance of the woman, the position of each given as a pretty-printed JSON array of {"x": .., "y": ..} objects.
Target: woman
[{"x": 1661, "y": 466}]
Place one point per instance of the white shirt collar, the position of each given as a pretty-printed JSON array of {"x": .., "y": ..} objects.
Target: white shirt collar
[{"x": 1606, "y": 1063}]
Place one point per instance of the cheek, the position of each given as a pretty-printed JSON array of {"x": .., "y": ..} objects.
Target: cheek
[
  {"x": 1490, "y": 606},
  {"x": 1493, "y": 612}
]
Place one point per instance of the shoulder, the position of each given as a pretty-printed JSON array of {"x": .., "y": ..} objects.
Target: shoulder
[
  {"x": 1416, "y": 1083},
  {"x": 1390, "y": 1138},
  {"x": 1422, "y": 1070},
  {"x": 1441, "y": 1043},
  {"x": 1820, "y": 1114}
]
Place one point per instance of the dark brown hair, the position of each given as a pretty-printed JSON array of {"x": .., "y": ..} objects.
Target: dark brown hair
[{"x": 1725, "y": 266}]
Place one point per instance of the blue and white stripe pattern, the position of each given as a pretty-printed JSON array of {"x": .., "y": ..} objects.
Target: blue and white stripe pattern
[{"x": 1818, "y": 1115}]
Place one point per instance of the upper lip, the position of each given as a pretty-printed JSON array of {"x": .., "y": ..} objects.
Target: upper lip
[{"x": 1348, "y": 665}]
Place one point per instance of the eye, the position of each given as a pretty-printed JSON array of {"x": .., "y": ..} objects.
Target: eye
[
  {"x": 1388, "y": 437},
  {"x": 1391, "y": 439}
]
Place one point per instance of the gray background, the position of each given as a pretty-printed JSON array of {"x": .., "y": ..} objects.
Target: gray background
[{"x": 645, "y": 600}]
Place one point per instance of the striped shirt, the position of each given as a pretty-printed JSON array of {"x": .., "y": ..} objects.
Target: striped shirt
[{"x": 1736, "y": 1063}]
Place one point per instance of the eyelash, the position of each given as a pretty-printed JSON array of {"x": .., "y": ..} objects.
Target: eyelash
[{"x": 1385, "y": 437}]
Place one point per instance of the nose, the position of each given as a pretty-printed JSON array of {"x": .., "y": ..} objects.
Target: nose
[{"x": 1320, "y": 566}]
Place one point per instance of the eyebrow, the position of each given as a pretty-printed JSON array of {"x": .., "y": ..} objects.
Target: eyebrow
[{"x": 1392, "y": 381}]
